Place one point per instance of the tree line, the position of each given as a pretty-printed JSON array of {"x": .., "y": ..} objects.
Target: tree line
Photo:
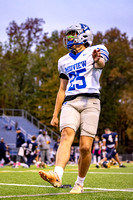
[{"x": 29, "y": 76}]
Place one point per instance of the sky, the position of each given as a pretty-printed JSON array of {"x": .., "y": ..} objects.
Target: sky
[{"x": 99, "y": 15}]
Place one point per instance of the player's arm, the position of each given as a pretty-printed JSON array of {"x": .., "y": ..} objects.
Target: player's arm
[
  {"x": 59, "y": 100},
  {"x": 104, "y": 145},
  {"x": 24, "y": 144},
  {"x": 116, "y": 141},
  {"x": 98, "y": 60}
]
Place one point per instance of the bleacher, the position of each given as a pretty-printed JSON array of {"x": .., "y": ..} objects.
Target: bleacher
[
  {"x": 8, "y": 135},
  {"x": 28, "y": 124},
  {"x": 23, "y": 123}
]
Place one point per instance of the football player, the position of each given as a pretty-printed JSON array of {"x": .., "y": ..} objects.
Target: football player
[
  {"x": 110, "y": 144},
  {"x": 96, "y": 150},
  {"x": 30, "y": 151},
  {"x": 78, "y": 100}
]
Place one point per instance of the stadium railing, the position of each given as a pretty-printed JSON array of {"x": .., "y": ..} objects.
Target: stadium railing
[{"x": 23, "y": 113}]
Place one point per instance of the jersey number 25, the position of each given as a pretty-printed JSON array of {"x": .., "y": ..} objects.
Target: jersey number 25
[{"x": 76, "y": 76}]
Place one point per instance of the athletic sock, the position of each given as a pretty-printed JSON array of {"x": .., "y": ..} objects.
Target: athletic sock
[
  {"x": 80, "y": 180},
  {"x": 59, "y": 170}
]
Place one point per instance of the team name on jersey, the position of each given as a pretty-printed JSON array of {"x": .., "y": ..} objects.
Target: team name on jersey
[{"x": 79, "y": 65}]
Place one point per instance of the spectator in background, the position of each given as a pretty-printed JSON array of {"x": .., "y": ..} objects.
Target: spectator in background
[
  {"x": 72, "y": 154},
  {"x": 8, "y": 158},
  {"x": 20, "y": 139},
  {"x": 16, "y": 125},
  {"x": 77, "y": 153},
  {"x": 96, "y": 150},
  {"x": 44, "y": 141},
  {"x": 2, "y": 152},
  {"x": 56, "y": 145},
  {"x": 8, "y": 126},
  {"x": 55, "y": 148},
  {"x": 40, "y": 131}
]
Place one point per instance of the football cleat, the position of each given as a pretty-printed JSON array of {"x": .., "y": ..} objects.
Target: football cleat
[
  {"x": 97, "y": 166},
  {"x": 50, "y": 177},
  {"x": 122, "y": 166},
  {"x": 77, "y": 189}
]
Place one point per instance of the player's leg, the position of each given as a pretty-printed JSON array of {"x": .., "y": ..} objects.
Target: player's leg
[
  {"x": 110, "y": 153},
  {"x": 69, "y": 123},
  {"x": 62, "y": 157},
  {"x": 94, "y": 159},
  {"x": 99, "y": 158},
  {"x": 85, "y": 155},
  {"x": 48, "y": 156},
  {"x": 42, "y": 152},
  {"x": 83, "y": 163},
  {"x": 103, "y": 160},
  {"x": 89, "y": 123},
  {"x": 67, "y": 137},
  {"x": 118, "y": 160}
]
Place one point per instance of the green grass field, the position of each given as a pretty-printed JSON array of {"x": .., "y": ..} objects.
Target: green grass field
[{"x": 100, "y": 184}]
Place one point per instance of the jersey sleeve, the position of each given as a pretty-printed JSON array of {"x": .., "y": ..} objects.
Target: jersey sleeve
[
  {"x": 61, "y": 70},
  {"x": 103, "y": 138},
  {"x": 104, "y": 52}
]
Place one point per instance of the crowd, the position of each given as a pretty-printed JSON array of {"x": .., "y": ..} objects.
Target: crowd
[
  {"x": 37, "y": 150},
  {"x": 33, "y": 151}
]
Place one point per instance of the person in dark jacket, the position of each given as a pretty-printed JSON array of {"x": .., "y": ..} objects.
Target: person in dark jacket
[
  {"x": 2, "y": 150},
  {"x": 20, "y": 139}
]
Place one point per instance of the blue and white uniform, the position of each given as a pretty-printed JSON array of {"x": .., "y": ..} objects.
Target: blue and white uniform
[
  {"x": 81, "y": 107},
  {"x": 79, "y": 69}
]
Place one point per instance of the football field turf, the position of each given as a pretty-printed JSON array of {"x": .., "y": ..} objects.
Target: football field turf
[{"x": 100, "y": 184}]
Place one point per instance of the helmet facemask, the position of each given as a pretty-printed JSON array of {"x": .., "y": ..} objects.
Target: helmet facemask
[{"x": 70, "y": 39}]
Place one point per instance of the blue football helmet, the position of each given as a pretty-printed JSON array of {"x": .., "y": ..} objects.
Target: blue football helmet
[{"x": 81, "y": 35}]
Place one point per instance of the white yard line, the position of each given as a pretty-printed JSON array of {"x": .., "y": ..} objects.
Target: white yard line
[
  {"x": 86, "y": 188},
  {"x": 109, "y": 190},
  {"x": 24, "y": 185},
  {"x": 68, "y": 172},
  {"x": 104, "y": 173},
  {"x": 63, "y": 193},
  {"x": 37, "y": 195}
]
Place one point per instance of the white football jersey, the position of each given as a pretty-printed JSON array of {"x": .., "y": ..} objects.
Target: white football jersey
[{"x": 82, "y": 76}]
